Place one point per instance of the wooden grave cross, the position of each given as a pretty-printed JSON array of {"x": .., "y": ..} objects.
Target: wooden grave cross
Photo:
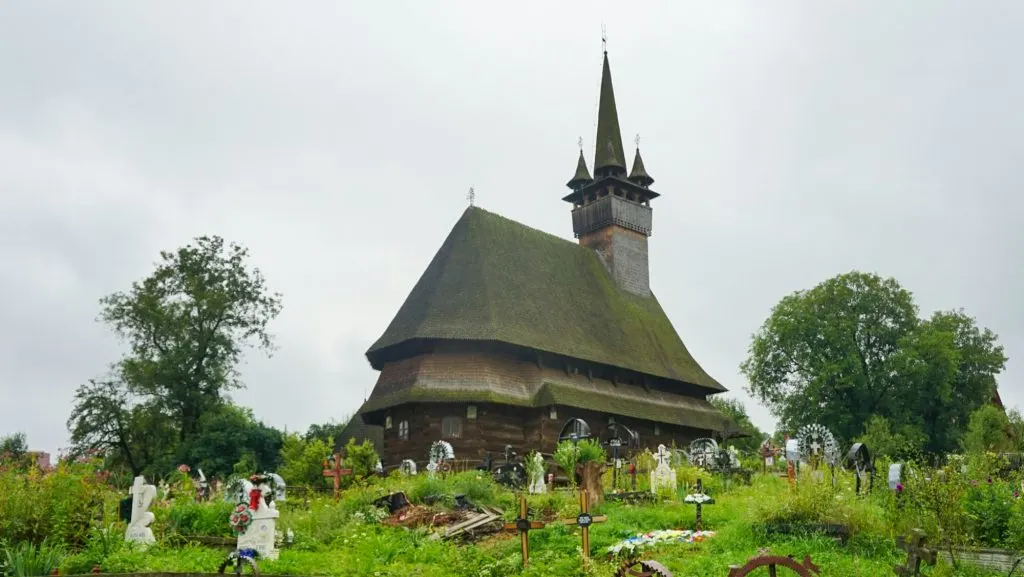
[
  {"x": 700, "y": 499},
  {"x": 584, "y": 520},
  {"x": 916, "y": 554},
  {"x": 337, "y": 472},
  {"x": 523, "y": 524}
]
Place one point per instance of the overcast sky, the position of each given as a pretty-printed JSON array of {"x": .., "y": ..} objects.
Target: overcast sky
[{"x": 790, "y": 141}]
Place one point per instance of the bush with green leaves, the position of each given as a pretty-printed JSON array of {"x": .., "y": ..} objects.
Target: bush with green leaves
[{"x": 59, "y": 506}]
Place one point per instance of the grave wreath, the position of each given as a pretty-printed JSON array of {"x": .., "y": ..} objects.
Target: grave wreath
[{"x": 241, "y": 518}]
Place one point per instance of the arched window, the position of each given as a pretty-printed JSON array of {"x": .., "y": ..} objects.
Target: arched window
[
  {"x": 451, "y": 428},
  {"x": 403, "y": 430},
  {"x": 577, "y": 427}
]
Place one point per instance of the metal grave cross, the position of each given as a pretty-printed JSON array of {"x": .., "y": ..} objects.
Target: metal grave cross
[
  {"x": 662, "y": 456},
  {"x": 584, "y": 520},
  {"x": 523, "y": 524},
  {"x": 916, "y": 554},
  {"x": 335, "y": 470},
  {"x": 699, "y": 499}
]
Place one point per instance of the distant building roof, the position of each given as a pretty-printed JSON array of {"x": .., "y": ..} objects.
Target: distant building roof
[{"x": 360, "y": 431}]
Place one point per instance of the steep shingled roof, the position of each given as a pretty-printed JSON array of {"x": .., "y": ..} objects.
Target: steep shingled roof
[{"x": 495, "y": 279}]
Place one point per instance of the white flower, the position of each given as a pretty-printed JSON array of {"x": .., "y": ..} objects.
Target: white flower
[{"x": 697, "y": 498}]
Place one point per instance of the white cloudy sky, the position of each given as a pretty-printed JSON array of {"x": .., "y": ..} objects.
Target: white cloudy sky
[{"x": 791, "y": 141}]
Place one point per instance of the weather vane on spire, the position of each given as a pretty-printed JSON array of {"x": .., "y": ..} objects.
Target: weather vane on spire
[
  {"x": 604, "y": 38},
  {"x": 471, "y": 196}
]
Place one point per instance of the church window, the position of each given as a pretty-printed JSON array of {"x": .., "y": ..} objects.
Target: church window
[
  {"x": 553, "y": 414},
  {"x": 657, "y": 430},
  {"x": 403, "y": 430},
  {"x": 451, "y": 428},
  {"x": 387, "y": 422},
  {"x": 471, "y": 412}
]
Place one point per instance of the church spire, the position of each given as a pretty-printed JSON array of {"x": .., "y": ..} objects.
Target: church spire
[
  {"x": 609, "y": 160},
  {"x": 639, "y": 174},
  {"x": 582, "y": 176}
]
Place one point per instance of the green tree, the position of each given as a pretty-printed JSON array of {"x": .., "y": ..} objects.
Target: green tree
[
  {"x": 13, "y": 447},
  {"x": 327, "y": 432},
  {"x": 107, "y": 420},
  {"x": 853, "y": 347},
  {"x": 231, "y": 434},
  {"x": 361, "y": 457},
  {"x": 949, "y": 366},
  {"x": 825, "y": 354},
  {"x": 988, "y": 430},
  {"x": 904, "y": 443},
  {"x": 302, "y": 459},
  {"x": 737, "y": 413},
  {"x": 187, "y": 324}
]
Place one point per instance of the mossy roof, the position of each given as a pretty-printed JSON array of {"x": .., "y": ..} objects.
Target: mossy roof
[{"x": 495, "y": 279}]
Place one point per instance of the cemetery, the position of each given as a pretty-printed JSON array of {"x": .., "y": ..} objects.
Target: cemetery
[
  {"x": 535, "y": 413},
  {"x": 806, "y": 510}
]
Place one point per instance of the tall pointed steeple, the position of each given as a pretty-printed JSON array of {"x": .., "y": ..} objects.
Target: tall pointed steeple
[
  {"x": 639, "y": 174},
  {"x": 582, "y": 176},
  {"x": 609, "y": 158}
]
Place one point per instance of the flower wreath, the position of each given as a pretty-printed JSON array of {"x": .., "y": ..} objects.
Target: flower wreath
[
  {"x": 699, "y": 498},
  {"x": 241, "y": 518}
]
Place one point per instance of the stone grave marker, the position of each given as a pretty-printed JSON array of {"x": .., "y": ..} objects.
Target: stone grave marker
[
  {"x": 261, "y": 533},
  {"x": 895, "y": 475},
  {"x": 408, "y": 467},
  {"x": 917, "y": 553},
  {"x": 441, "y": 456},
  {"x": 138, "y": 526},
  {"x": 537, "y": 484},
  {"x": 663, "y": 477}
]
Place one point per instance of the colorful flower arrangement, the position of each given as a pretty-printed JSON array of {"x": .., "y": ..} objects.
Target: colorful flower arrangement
[
  {"x": 241, "y": 518},
  {"x": 642, "y": 540}
]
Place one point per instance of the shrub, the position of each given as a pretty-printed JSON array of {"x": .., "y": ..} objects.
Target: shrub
[
  {"x": 28, "y": 560},
  {"x": 58, "y": 506}
]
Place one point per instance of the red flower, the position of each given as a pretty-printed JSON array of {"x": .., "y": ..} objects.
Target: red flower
[{"x": 184, "y": 468}]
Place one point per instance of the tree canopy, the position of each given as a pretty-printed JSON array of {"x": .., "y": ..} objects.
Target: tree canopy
[
  {"x": 186, "y": 326},
  {"x": 737, "y": 413},
  {"x": 853, "y": 347}
]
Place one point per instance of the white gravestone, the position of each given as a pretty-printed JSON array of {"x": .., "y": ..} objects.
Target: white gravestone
[
  {"x": 537, "y": 481},
  {"x": 138, "y": 528},
  {"x": 408, "y": 467},
  {"x": 895, "y": 475},
  {"x": 261, "y": 534},
  {"x": 663, "y": 477}
]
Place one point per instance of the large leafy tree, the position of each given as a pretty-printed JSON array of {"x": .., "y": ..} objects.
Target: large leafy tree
[
  {"x": 229, "y": 435},
  {"x": 737, "y": 413},
  {"x": 187, "y": 325},
  {"x": 853, "y": 347}
]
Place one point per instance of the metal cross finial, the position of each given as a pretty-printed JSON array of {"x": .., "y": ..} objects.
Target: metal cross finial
[
  {"x": 604, "y": 39},
  {"x": 471, "y": 196},
  {"x": 637, "y": 140},
  {"x": 580, "y": 143}
]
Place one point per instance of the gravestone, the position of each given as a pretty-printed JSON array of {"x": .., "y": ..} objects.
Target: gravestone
[
  {"x": 663, "y": 477},
  {"x": 408, "y": 467},
  {"x": 703, "y": 453},
  {"x": 441, "y": 456},
  {"x": 895, "y": 475},
  {"x": 537, "y": 479},
  {"x": 138, "y": 527},
  {"x": 261, "y": 533}
]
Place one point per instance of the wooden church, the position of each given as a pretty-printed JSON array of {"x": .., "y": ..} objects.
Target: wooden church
[{"x": 514, "y": 336}]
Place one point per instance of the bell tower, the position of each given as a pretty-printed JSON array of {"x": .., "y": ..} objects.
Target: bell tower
[{"x": 611, "y": 212}]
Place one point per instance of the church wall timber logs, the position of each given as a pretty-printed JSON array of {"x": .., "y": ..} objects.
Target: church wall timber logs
[{"x": 495, "y": 426}]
